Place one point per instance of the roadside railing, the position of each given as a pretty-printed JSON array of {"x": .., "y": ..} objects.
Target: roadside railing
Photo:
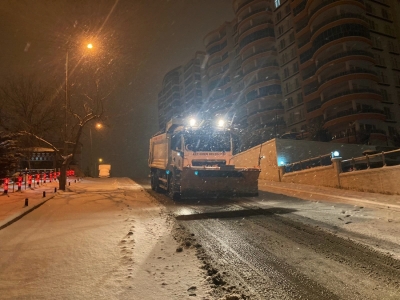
[
  {"x": 323, "y": 160},
  {"x": 374, "y": 160}
]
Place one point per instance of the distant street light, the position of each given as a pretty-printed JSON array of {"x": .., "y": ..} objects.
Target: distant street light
[
  {"x": 90, "y": 46},
  {"x": 93, "y": 165}
]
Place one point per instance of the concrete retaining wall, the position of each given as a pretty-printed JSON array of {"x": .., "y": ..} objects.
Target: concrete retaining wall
[
  {"x": 319, "y": 176},
  {"x": 268, "y": 164},
  {"x": 381, "y": 180}
]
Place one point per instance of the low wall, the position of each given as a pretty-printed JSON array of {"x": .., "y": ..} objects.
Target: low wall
[
  {"x": 268, "y": 163},
  {"x": 381, "y": 180},
  {"x": 319, "y": 176}
]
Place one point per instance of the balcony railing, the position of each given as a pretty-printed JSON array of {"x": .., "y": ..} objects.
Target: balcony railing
[
  {"x": 298, "y": 29},
  {"x": 351, "y": 111},
  {"x": 327, "y": 2},
  {"x": 348, "y": 92},
  {"x": 313, "y": 108},
  {"x": 259, "y": 52},
  {"x": 303, "y": 43},
  {"x": 353, "y": 71},
  {"x": 310, "y": 90},
  {"x": 344, "y": 54},
  {"x": 375, "y": 160},
  {"x": 259, "y": 111},
  {"x": 308, "y": 75},
  {"x": 243, "y": 4},
  {"x": 356, "y": 30},
  {"x": 272, "y": 77},
  {"x": 350, "y": 133},
  {"x": 270, "y": 64},
  {"x": 252, "y": 13},
  {"x": 338, "y": 17},
  {"x": 299, "y": 8}
]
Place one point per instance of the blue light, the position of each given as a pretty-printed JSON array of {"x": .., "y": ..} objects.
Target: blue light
[
  {"x": 196, "y": 173},
  {"x": 335, "y": 154},
  {"x": 167, "y": 172}
]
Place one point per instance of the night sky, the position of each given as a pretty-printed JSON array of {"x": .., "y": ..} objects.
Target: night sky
[{"x": 136, "y": 42}]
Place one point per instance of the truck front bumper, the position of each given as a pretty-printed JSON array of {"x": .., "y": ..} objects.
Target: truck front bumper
[{"x": 200, "y": 183}]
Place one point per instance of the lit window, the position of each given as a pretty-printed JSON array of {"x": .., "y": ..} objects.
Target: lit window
[{"x": 277, "y": 3}]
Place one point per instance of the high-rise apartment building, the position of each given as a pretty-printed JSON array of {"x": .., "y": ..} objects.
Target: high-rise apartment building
[
  {"x": 182, "y": 92},
  {"x": 320, "y": 69},
  {"x": 170, "y": 98}
]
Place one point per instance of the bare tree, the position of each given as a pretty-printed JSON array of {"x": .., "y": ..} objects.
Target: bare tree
[{"x": 35, "y": 111}]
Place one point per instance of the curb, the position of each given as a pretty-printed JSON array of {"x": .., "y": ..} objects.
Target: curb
[{"x": 18, "y": 217}]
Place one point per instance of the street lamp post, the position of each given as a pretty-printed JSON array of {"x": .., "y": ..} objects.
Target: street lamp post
[
  {"x": 65, "y": 150},
  {"x": 66, "y": 104}
]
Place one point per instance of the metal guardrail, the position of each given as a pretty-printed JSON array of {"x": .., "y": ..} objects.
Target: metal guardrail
[
  {"x": 323, "y": 160},
  {"x": 370, "y": 161}
]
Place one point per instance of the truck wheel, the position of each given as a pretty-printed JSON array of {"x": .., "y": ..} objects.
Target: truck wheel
[
  {"x": 171, "y": 189},
  {"x": 154, "y": 182}
]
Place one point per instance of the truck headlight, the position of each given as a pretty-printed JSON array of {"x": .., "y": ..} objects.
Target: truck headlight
[
  {"x": 192, "y": 122},
  {"x": 221, "y": 123}
]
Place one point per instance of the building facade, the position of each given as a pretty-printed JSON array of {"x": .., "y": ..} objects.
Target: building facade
[{"x": 320, "y": 70}]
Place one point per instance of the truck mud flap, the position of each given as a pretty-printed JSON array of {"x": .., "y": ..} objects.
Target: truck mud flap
[{"x": 219, "y": 183}]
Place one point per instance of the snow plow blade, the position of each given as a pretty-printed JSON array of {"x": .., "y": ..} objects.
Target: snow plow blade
[{"x": 201, "y": 183}]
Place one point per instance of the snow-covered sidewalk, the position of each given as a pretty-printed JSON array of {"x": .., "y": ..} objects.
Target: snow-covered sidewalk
[{"x": 12, "y": 204}]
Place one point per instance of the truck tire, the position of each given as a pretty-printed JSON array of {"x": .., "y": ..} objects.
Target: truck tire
[
  {"x": 155, "y": 185},
  {"x": 172, "y": 193}
]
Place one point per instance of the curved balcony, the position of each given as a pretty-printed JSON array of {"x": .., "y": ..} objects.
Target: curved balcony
[
  {"x": 347, "y": 96},
  {"x": 351, "y": 115},
  {"x": 270, "y": 52},
  {"x": 298, "y": 9},
  {"x": 340, "y": 17},
  {"x": 261, "y": 125},
  {"x": 255, "y": 36},
  {"x": 336, "y": 34},
  {"x": 214, "y": 76},
  {"x": 215, "y": 35},
  {"x": 361, "y": 73},
  {"x": 241, "y": 5},
  {"x": 276, "y": 110},
  {"x": 255, "y": 84},
  {"x": 262, "y": 92},
  {"x": 314, "y": 112},
  {"x": 215, "y": 40},
  {"x": 352, "y": 54},
  {"x": 219, "y": 63},
  {"x": 351, "y": 137},
  {"x": 252, "y": 13},
  {"x": 331, "y": 3},
  {"x": 222, "y": 44},
  {"x": 261, "y": 66}
]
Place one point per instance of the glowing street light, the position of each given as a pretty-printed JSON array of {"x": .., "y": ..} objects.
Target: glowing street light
[
  {"x": 100, "y": 160},
  {"x": 90, "y": 46},
  {"x": 97, "y": 126}
]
